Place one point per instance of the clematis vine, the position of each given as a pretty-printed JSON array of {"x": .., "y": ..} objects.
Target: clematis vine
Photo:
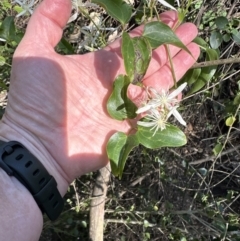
[{"x": 159, "y": 107}]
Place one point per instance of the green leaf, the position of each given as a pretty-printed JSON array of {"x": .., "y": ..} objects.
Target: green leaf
[
  {"x": 65, "y": 47},
  {"x": 236, "y": 36},
  {"x": 215, "y": 39},
  {"x": 119, "y": 106},
  {"x": 206, "y": 73},
  {"x": 236, "y": 100},
  {"x": 136, "y": 54},
  {"x": 117, "y": 9},
  {"x": 172, "y": 136},
  {"x": 7, "y": 29},
  {"x": 128, "y": 54},
  {"x": 221, "y": 22},
  {"x": 201, "y": 42},
  {"x": 2, "y": 60},
  {"x": 217, "y": 149},
  {"x": 145, "y": 223},
  {"x": 226, "y": 37},
  {"x": 230, "y": 121},
  {"x": 191, "y": 76},
  {"x": 158, "y": 33},
  {"x": 18, "y": 9},
  {"x": 203, "y": 171},
  {"x": 118, "y": 148},
  {"x": 143, "y": 54}
]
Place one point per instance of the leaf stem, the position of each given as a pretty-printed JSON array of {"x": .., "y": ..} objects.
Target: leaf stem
[{"x": 171, "y": 65}]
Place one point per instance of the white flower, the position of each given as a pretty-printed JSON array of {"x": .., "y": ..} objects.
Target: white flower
[
  {"x": 161, "y": 100},
  {"x": 155, "y": 120},
  {"x": 3, "y": 40},
  {"x": 166, "y": 4},
  {"x": 177, "y": 115},
  {"x": 26, "y": 6},
  {"x": 159, "y": 107}
]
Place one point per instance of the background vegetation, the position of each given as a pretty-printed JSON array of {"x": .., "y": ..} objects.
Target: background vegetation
[{"x": 187, "y": 193}]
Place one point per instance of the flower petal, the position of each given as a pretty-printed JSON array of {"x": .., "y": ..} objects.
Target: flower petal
[
  {"x": 177, "y": 91},
  {"x": 177, "y": 115},
  {"x": 146, "y": 124},
  {"x": 143, "y": 109},
  {"x": 166, "y": 4}
]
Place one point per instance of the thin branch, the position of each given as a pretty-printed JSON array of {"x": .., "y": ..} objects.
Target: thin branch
[
  {"x": 211, "y": 158},
  {"x": 216, "y": 62},
  {"x": 129, "y": 222}
]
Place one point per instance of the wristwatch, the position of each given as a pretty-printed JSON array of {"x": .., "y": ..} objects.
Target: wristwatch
[{"x": 17, "y": 161}]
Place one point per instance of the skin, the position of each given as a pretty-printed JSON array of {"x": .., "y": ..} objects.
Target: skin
[{"x": 57, "y": 104}]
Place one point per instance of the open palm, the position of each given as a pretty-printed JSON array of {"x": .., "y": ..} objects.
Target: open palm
[{"x": 61, "y": 100}]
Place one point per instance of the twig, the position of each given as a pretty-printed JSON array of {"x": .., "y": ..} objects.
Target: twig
[
  {"x": 211, "y": 158},
  {"x": 98, "y": 203},
  {"x": 77, "y": 198},
  {"x": 231, "y": 9},
  {"x": 216, "y": 62},
  {"x": 138, "y": 180},
  {"x": 129, "y": 222}
]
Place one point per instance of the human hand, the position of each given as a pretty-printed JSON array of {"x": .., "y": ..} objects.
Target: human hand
[{"x": 57, "y": 104}]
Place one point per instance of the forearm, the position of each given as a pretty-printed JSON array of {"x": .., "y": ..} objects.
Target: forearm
[{"x": 20, "y": 217}]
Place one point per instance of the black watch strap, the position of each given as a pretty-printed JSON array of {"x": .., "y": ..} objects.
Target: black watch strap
[{"x": 17, "y": 161}]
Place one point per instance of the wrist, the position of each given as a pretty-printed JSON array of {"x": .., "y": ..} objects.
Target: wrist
[
  {"x": 10, "y": 132},
  {"x": 21, "y": 218}
]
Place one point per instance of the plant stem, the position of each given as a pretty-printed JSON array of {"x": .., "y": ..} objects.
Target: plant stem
[
  {"x": 216, "y": 62},
  {"x": 172, "y": 67}
]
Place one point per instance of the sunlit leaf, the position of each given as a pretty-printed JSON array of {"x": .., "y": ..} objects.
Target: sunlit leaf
[
  {"x": 217, "y": 149},
  {"x": 136, "y": 54},
  {"x": 117, "y": 9},
  {"x": 145, "y": 223},
  {"x": 118, "y": 148},
  {"x": 8, "y": 30},
  {"x": 119, "y": 106},
  {"x": 159, "y": 33},
  {"x": 230, "y": 121},
  {"x": 143, "y": 54},
  {"x": 128, "y": 55},
  {"x": 172, "y": 136}
]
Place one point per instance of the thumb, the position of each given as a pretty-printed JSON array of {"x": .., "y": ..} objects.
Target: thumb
[{"x": 47, "y": 22}]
